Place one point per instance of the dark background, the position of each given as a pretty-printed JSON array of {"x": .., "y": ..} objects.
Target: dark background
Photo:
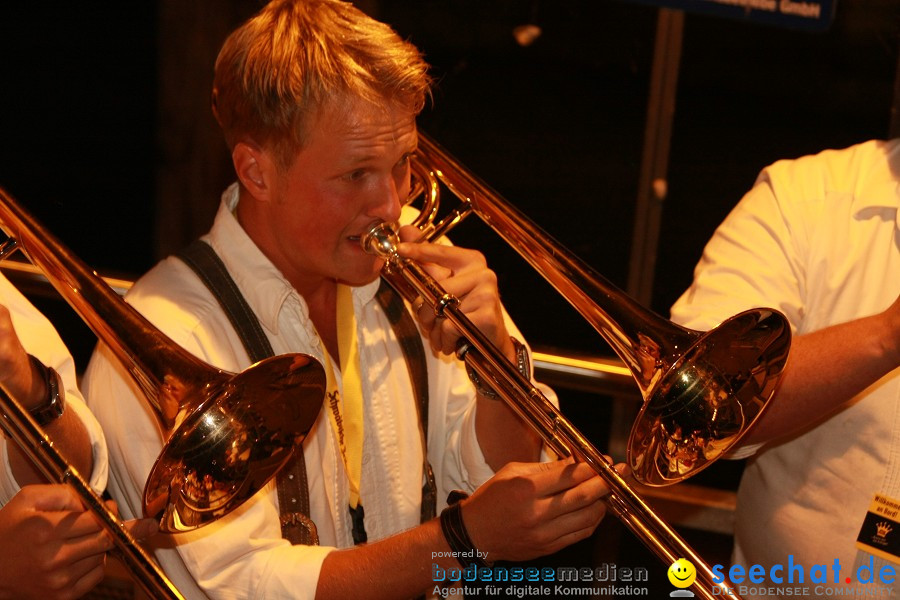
[{"x": 106, "y": 136}]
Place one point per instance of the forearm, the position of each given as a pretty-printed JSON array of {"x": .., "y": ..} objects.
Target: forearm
[
  {"x": 69, "y": 436},
  {"x": 827, "y": 368},
  {"x": 35, "y": 386},
  {"x": 397, "y": 567},
  {"x": 502, "y": 435}
]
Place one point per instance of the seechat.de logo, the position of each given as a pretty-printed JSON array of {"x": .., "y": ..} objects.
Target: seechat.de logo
[{"x": 682, "y": 574}]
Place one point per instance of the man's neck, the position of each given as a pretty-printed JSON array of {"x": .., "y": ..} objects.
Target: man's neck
[
  {"x": 322, "y": 305},
  {"x": 320, "y": 293}
]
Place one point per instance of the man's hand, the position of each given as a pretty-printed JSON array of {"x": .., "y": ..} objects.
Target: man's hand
[
  {"x": 51, "y": 546},
  {"x": 465, "y": 274},
  {"x": 529, "y": 510}
]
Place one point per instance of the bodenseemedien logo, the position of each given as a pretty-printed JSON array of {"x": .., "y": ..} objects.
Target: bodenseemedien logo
[
  {"x": 603, "y": 581},
  {"x": 682, "y": 574}
]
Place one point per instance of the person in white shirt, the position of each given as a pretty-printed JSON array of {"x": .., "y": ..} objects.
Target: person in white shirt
[
  {"x": 318, "y": 104},
  {"x": 817, "y": 238},
  {"x": 51, "y": 546}
]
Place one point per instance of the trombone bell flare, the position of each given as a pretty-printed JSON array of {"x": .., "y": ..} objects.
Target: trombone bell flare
[
  {"x": 701, "y": 391},
  {"x": 681, "y": 373},
  {"x": 231, "y": 445},
  {"x": 709, "y": 398}
]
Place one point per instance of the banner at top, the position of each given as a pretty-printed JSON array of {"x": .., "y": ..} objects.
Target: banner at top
[{"x": 810, "y": 15}]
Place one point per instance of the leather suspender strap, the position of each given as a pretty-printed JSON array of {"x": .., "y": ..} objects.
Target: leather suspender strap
[
  {"x": 414, "y": 352},
  {"x": 291, "y": 481},
  {"x": 209, "y": 267},
  {"x": 292, "y": 484}
]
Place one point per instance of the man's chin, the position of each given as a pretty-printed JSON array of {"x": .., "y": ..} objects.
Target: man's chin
[
  {"x": 361, "y": 271},
  {"x": 361, "y": 279},
  {"x": 359, "y": 282}
]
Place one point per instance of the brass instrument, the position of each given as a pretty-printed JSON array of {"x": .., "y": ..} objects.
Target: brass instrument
[
  {"x": 22, "y": 428},
  {"x": 701, "y": 391},
  {"x": 226, "y": 434}
]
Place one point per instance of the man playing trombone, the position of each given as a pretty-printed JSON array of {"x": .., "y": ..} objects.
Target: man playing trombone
[{"x": 318, "y": 103}]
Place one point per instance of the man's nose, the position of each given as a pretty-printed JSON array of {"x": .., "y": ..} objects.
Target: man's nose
[{"x": 388, "y": 202}]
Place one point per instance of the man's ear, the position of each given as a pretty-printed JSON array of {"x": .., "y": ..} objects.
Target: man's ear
[{"x": 255, "y": 169}]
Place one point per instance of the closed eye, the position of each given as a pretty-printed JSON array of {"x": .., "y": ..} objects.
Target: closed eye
[{"x": 404, "y": 160}]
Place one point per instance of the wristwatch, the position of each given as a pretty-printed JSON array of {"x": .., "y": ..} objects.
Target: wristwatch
[
  {"x": 523, "y": 365},
  {"x": 55, "y": 403}
]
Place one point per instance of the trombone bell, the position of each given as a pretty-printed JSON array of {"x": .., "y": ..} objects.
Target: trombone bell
[
  {"x": 234, "y": 442},
  {"x": 709, "y": 397},
  {"x": 701, "y": 391}
]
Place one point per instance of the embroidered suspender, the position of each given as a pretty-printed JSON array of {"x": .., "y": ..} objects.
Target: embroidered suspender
[
  {"x": 292, "y": 483},
  {"x": 411, "y": 342}
]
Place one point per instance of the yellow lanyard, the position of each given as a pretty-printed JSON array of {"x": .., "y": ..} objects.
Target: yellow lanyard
[{"x": 346, "y": 412}]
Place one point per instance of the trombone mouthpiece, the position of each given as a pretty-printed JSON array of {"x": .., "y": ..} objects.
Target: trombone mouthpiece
[{"x": 381, "y": 240}]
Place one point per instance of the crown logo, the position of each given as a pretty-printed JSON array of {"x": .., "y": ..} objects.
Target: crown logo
[{"x": 882, "y": 529}]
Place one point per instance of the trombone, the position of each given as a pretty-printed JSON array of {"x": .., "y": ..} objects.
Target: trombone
[
  {"x": 702, "y": 391},
  {"x": 24, "y": 430}
]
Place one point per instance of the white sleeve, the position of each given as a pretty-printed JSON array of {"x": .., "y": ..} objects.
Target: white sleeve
[
  {"x": 40, "y": 339},
  {"x": 754, "y": 259}
]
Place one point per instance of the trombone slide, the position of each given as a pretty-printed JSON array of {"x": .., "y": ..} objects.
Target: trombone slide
[
  {"x": 701, "y": 390},
  {"x": 24, "y": 430},
  {"x": 410, "y": 280}
]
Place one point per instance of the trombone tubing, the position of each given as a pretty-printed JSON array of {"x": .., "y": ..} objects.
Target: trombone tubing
[
  {"x": 39, "y": 448},
  {"x": 411, "y": 281}
]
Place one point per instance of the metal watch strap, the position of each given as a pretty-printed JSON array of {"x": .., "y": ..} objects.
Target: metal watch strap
[
  {"x": 523, "y": 365},
  {"x": 55, "y": 403}
]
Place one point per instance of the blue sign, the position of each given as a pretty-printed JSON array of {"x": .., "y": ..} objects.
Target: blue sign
[{"x": 810, "y": 15}]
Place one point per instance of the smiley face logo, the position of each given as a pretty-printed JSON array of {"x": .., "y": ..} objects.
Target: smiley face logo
[{"x": 682, "y": 573}]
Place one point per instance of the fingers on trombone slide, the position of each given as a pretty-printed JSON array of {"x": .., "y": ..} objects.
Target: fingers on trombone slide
[
  {"x": 141, "y": 529},
  {"x": 575, "y": 471}
]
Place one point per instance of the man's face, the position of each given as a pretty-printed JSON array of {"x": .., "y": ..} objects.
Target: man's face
[{"x": 353, "y": 172}]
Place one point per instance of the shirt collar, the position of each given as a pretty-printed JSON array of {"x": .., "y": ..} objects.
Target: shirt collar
[{"x": 260, "y": 281}]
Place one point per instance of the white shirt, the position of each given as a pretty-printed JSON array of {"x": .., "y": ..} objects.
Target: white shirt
[
  {"x": 243, "y": 555},
  {"x": 40, "y": 339},
  {"x": 816, "y": 238}
]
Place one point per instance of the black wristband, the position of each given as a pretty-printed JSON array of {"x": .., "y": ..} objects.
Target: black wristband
[
  {"x": 456, "y": 534},
  {"x": 55, "y": 403}
]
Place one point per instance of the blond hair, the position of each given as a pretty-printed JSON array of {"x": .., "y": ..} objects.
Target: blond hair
[{"x": 295, "y": 56}]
